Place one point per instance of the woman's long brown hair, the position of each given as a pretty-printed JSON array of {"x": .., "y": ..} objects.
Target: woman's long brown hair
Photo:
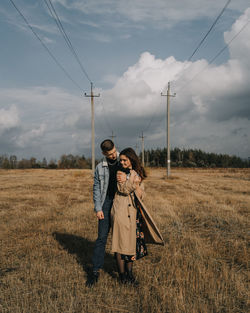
[{"x": 136, "y": 164}]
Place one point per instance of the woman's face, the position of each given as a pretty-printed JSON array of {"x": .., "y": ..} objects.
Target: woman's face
[{"x": 125, "y": 162}]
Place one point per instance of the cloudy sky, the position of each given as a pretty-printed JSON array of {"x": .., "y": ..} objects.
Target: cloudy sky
[{"x": 129, "y": 49}]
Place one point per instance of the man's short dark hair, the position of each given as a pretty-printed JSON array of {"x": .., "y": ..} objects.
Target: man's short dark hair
[{"x": 107, "y": 145}]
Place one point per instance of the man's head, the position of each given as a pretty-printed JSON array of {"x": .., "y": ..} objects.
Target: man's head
[{"x": 108, "y": 149}]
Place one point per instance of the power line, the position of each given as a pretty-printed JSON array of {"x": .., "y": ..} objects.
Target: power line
[
  {"x": 217, "y": 55},
  {"x": 227, "y": 45},
  {"x": 56, "y": 18},
  {"x": 203, "y": 39},
  {"x": 106, "y": 118},
  {"x": 45, "y": 47},
  {"x": 210, "y": 29},
  {"x": 150, "y": 122},
  {"x": 196, "y": 49}
]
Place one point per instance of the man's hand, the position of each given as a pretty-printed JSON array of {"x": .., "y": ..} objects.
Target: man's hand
[
  {"x": 100, "y": 215},
  {"x": 121, "y": 177}
]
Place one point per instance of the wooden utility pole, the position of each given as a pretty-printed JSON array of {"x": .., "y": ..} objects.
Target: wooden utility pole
[
  {"x": 136, "y": 148},
  {"x": 147, "y": 162},
  {"x": 92, "y": 126},
  {"x": 142, "y": 149},
  {"x": 168, "y": 95}
]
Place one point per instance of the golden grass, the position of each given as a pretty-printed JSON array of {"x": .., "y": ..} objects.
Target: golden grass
[{"x": 48, "y": 229}]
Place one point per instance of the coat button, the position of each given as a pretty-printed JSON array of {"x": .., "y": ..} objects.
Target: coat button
[
  {"x": 129, "y": 216},
  {"x": 129, "y": 204}
]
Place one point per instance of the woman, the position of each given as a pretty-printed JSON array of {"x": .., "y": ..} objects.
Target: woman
[{"x": 132, "y": 225}]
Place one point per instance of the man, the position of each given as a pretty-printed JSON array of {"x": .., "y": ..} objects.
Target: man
[{"x": 104, "y": 190}]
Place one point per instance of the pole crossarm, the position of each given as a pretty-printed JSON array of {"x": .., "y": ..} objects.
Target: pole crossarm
[
  {"x": 91, "y": 93},
  {"x": 173, "y": 95}
]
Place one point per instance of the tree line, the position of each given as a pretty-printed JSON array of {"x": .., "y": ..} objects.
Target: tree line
[
  {"x": 153, "y": 158},
  {"x": 66, "y": 161},
  {"x": 192, "y": 158}
]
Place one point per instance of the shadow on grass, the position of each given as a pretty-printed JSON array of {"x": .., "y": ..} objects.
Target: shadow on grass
[
  {"x": 83, "y": 249},
  {"x": 5, "y": 271}
]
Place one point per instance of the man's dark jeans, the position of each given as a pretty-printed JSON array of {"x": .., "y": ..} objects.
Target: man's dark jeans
[{"x": 103, "y": 230}]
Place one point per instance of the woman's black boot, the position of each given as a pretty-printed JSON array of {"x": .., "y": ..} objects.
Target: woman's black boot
[
  {"x": 131, "y": 279},
  {"x": 123, "y": 278}
]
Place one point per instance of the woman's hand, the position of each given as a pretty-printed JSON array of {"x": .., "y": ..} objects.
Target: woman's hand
[
  {"x": 133, "y": 174},
  {"x": 121, "y": 177}
]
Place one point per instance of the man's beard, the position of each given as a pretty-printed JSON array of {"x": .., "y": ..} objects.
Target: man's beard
[{"x": 111, "y": 161}]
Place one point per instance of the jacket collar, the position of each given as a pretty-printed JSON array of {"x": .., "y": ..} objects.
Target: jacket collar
[{"x": 105, "y": 162}]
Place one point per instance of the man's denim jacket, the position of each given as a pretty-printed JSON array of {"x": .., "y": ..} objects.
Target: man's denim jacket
[{"x": 101, "y": 182}]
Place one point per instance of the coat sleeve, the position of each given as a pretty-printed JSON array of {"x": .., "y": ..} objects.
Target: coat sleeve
[
  {"x": 97, "y": 192},
  {"x": 127, "y": 187},
  {"x": 143, "y": 192}
]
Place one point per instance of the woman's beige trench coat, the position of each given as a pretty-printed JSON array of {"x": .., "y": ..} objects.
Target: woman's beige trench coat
[{"x": 123, "y": 219}]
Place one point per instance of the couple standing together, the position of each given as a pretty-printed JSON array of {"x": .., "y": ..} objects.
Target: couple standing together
[{"x": 118, "y": 192}]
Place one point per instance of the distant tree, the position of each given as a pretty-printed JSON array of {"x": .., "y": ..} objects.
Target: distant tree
[
  {"x": 83, "y": 163},
  {"x": 13, "y": 161},
  {"x": 71, "y": 161},
  {"x": 33, "y": 162},
  {"x": 44, "y": 163},
  {"x": 24, "y": 163},
  {"x": 52, "y": 164},
  {"x": 191, "y": 157},
  {"x": 63, "y": 162},
  {"x": 6, "y": 163}
]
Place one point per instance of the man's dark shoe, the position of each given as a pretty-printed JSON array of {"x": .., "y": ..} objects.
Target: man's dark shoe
[{"x": 92, "y": 279}]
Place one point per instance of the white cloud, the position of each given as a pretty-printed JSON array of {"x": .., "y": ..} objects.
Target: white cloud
[
  {"x": 101, "y": 37},
  {"x": 46, "y": 118},
  {"x": 159, "y": 12},
  {"x": 239, "y": 49},
  {"x": 110, "y": 79},
  {"x": 205, "y": 114},
  {"x": 9, "y": 118},
  {"x": 13, "y": 18},
  {"x": 126, "y": 36},
  {"x": 30, "y": 137},
  {"x": 50, "y": 29}
]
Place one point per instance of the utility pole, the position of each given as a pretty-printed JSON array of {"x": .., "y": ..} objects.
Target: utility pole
[
  {"x": 113, "y": 136},
  {"x": 136, "y": 149},
  {"x": 142, "y": 148},
  {"x": 92, "y": 125},
  {"x": 168, "y": 95},
  {"x": 147, "y": 163}
]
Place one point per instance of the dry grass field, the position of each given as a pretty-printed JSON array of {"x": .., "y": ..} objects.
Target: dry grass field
[{"x": 48, "y": 229}]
